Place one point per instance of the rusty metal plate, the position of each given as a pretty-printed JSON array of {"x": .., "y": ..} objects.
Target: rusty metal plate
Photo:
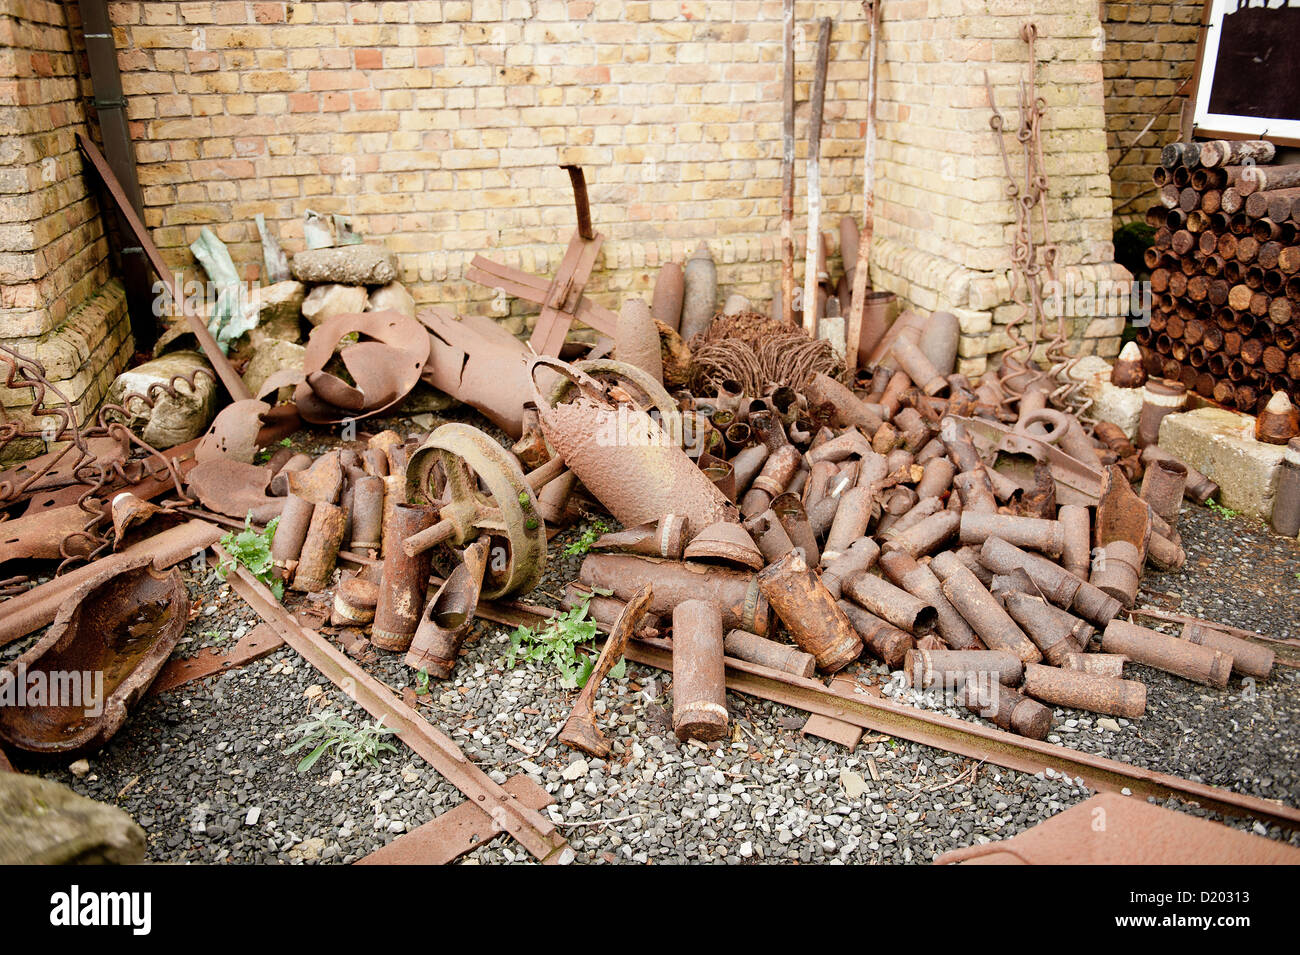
[
  {"x": 384, "y": 366},
  {"x": 257, "y": 643}
]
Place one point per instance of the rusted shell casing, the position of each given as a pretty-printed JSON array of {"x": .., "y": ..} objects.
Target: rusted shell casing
[
  {"x": 1248, "y": 659},
  {"x": 746, "y": 466},
  {"x": 772, "y": 540},
  {"x": 976, "y": 491},
  {"x": 286, "y": 545},
  {"x": 1054, "y": 582},
  {"x": 1101, "y": 664},
  {"x": 1076, "y": 552},
  {"x": 890, "y": 526},
  {"x": 553, "y": 499},
  {"x": 320, "y": 551},
  {"x": 842, "y": 446},
  {"x": 280, "y": 481},
  {"x": 699, "y": 672},
  {"x": 854, "y": 513},
  {"x": 892, "y": 604},
  {"x": 925, "y": 668},
  {"x": 735, "y": 592},
  {"x": 699, "y": 294},
  {"x": 771, "y": 481},
  {"x": 606, "y": 610},
  {"x": 1286, "y": 503},
  {"x": 404, "y": 581},
  {"x": 449, "y": 615},
  {"x": 1199, "y": 488},
  {"x": 809, "y": 612},
  {"x": 1045, "y": 627},
  {"x": 987, "y": 618},
  {"x": 848, "y": 409},
  {"x": 1160, "y": 397},
  {"x": 394, "y": 494},
  {"x": 354, "y": 603},
  {"x": 1180, "y": 657},
  {"x": 636, "y": 340},
  {"x": 1046, "y": 537},
  {"x": 367, "y": 513},
  {"x": 920, "y": 581},
  {"x": 1164, "y": 553},
  {"x": 936, "y": 479},
  {"x": 1006, "y": 708},
  {"x": 1086, "y": 691},
  {"x": 884, "y": 641},
  {"x": 926, "y": 536},
  {"x": 752, "y": 648},
  {"x": 913, "y": 361},
  {"x": 1162, "y": 487},
  {"x": 665, "y": 537},
  {"x": 856, "y": 559},
  {"x": 666, "y": 303},
  {"x": 1117, "y": 570},
  {"x": 790, "y": 511}
]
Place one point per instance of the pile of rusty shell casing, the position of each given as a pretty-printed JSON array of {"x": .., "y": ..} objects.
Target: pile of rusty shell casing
[
  {"x": 290, "y": 533},
  {"x": 994, "y": 625},
  {"x": 699, "y": 672},
  {"x": 1101, "y": 664},
  {"x": 1006, "y": 708},
  {"x": 1159, "y": 650},
  {"x": 1117, "y": 570},
  {"x": 1086, "y": 691},
  {"x": 354, "y": 602},
  {"x": 320, "y": 549},
  {"x": 927, "y": 535},
  {"x": 920, "y": 581},
  {"x": 1160, "y": 397},
  {"x": 1033, "y": 533},
  {"x": 951, "y": 668},
  {"x": 1162, "y": 487},
  {"x": 1199, "y": 488},
  {"x": 736, "y": 593},
  {"x": 976, "y": 491},
  {"x": 367, "y": 512},
  {"x": 856, "y": 559},
  {"x": 1053, "y": 635},
  {"x": 449, "y": 615},
  {"x": 809, "y": 612},
  {"x": 771, "y": 481},
  {"x": 854, "y": 513},
  {"x": 790, "y": 512},
  {"x": 848, "y": 410},
  {"x": 1076, "y": 526},
  {"x": 770, "y": 536},
  {"x": 885, "y": 641},
  {"x": 605, "y": 610},
  {"x": 752, "y": 648},
  {"x": 891, "y": 604},
  {"x": 404, "y": 581},
  {"x": 1248, "y": 659},
  {"x": 1054, "y": 582},
  {"x": 665, "y": 537},
  {"x": 1286, "y": 503}
]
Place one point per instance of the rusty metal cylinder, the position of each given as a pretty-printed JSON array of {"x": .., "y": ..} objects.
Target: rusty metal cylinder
[
  {"x": 920, "y": 581},
  {"x": 1286, "y": 503},
  {"x": 987, "y": 618},
  {"x": 858, "y": 558},
  {"x": 936, "y": 479},
  {"x": 1076, "y": 525},
  {"x": 1163, "y": 652},
  {"x": 885, "y": 641},
  {"x": 1086, "y": 691},
  {"x": 290, "y": 532},
  {"x": 1102, "y": 664},
  {"x": 606, "y": 610},
  {"x": 918, "y": 367},
  {"x": 1199, "y": 488},
  {"x": 1248, "y": 659},
  {"x": 770, "y": 536},
  {"x": 976, "y": 491},
  {"x": 790, "y": 511},
  {"x": 891, "y": 526},
  {"x": 699, "y": 293},
  {"x": 367, "y": 513},
  {"x": 1055, "y": 583},
  {"x": 320, "y": 549},
  {"x": 1160, "y": 397},
  {"x": 752, "y": 648},
  {"x": 1006, "y": 708},
  {"x": 354, "y": 603},
  {"x": 449, "y": 615},
  {"x": 848, "y": 410},
  {"x": 280, "y": 481},
  {"x": 735, "y": 592},
  {"x": 1117, "y": 570},
  {"x": 666, "y": 302},
  {"x": 1162, "y": 487},
  {"x": 1046, "y": 537},
  {"x": 699, "y": 672},
  {"x": 850, "y": 522},
  {"x": 665, "y": 537},
  {"x": 1043, "y": 623},
  {"x": 925, "y": 668},
  {"x": 926, "y": 536},
  {"x": 404, "y": 580},
  {"x": 809, "y": 612},
  {"x": 892, "y": 604},
  {"x": 771, "y": 481},
  {"x": 746, "y": 465}
]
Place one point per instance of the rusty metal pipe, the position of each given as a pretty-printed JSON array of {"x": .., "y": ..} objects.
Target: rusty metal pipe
[
  {"x": 699, "y": 678},
  {"x": 809, "y": 612},
  {"x": 404, "y": 580},
  {"x": 1033, "y": 533},
  {"x": 747, "y": 464},
  {"x": 770, "y": 536},
  {"x": 924, "y": 668},
  {"x": 1054, "y": 582},
  {"x": 976, "y": 490},
  {"x": 367, "y": 513},
  {"x": 1191, "y": 661},
  {"x": 1117, "y": 570},
  {"x": 790, "y": 512},
  {"x": 917, "y": 366},
  {"x": 848, "y": 410},
  {"x": 885, "y": 641},
  {"x": 752, "y": 648},
  {"x": 771, "y": 481},
  {"x": 1286, "y": 503},
  {"x": 936, "y": 479},
  {"x": 1006, "y": 708},
  {"x": 354, "y": 603},
  {"x": 987, "y": 618},
  {"x": 1198, "y": 488},
  {"x": 1086, "y": 691},
  {"x": 665, "y": 537},
  {"x": 290, "y": 533},
  {"x": 856, "y": 508},
  {"x": 1248, "y": 659},
  {"x": 892, "y": 604}
]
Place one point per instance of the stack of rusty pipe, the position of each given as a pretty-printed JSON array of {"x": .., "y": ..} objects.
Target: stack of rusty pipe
[{"x": 1225, "y": 276}]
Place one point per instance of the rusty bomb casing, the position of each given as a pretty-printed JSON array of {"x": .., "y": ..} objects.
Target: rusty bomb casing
[
  {"x": 1248, "y": 659},
  {"x": 699, "y": 672},
  {"x": 884, "y": 641},
  {"x": 994, "y": 625},
  {"x": 892, "y": 604},
  {"x": 925, "y": 668},
  {"x": 1086, "y": 691},
  {"x": 752, "y": 648},
  {"x": 404, "y": 581},
  {"x": 1183, "y": 658},
  {"x": 809, "y": 612},
  {"x": 320, "y": 549}
]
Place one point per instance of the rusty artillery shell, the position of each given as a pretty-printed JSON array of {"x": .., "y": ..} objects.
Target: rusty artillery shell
[
  {"x": 636, "y": 340},
  {"x": 280, "y": 482},
  {"x": 735, "y": 592},
  {"x": 752, "y": 648},
  {"x": 606, "y": 610},
  {"x": 1248, "y": 659},
  {"x": 926, "y": 536},
  {"x": 394, "y": 494},
  {"x": 367, "y": 513},
  {"x": 892, "y": 604},
  {"x": 809, "y": 612},
  {"x": 1076, "y": 554},
  {"x": 925, "y": 668},
  {"x": 1046, "y": 537},
  {"x": 1164, "y": 553},
  {"x": 1286, "y": 503},
  {"x": 699, "y": 292},
  {"x": 976, "y": 491},
  {"x": 1086, "y": 691},
  {"x": 354, "y": 602},
  {"x": 857, "y": 558},
  {"x": 772, "y": 540},
  {"x": 891, "y": 526},
  {"x": 1179, "y": 657},
  {"x": 746, "y": 466},
  {"x": 1006, "y": 708},
  {"x": 843, "y": 446},
  {"x": 1054, "y": 582},
  {"x": 665, "y": 537},
  {"x": 1199, "y": 488},
  {"x": 885, "y": 641},
  {"x": 936, "y": 479},
  {"x": 985, "y": 615},
  {"x": 553, "y": 499},
  {"x": 449, "y": 615},
  {"x": 699, "y": 672},
  {"x": 1101, "y": 664},
  {"x": 1117, "y": 570},
  {"x": 1160, "y": 397},
  {"x": 849, "y": 411},
  {"x": 290, "y": 533},
  {"x": 1052, "y": 635},
  {"x": 666, "y": 303},
  {"x": 320, "y": 550},
  {"x": 1162, "y": 487},
  {"x": 919, "y": 581},
  {"x": 851, "y": 519},
  {"x": 771, "y": 481},
  {"x": 404, "y": 581},
  {"x": 790, "y": 511},
  {"x": 917, "y": 366}
]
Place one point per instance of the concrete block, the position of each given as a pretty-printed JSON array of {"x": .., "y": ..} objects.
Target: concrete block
[
  {"x": 1221, "y": 444},
  {"x": 1120, "y": 406}
]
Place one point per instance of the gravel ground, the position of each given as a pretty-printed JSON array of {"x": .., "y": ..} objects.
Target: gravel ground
[{"x": 204, "y": 769}]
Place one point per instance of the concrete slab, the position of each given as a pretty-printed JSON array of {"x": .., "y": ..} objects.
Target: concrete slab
[
  {"x": 1221, "y": 444},
  {"x": 1120, "y": 406}
]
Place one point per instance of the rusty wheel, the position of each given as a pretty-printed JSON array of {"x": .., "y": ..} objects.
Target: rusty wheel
[{"x": 485, "y": 493}]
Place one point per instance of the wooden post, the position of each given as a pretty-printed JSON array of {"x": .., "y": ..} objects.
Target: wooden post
[
  {"x": 813, "y": 246},
  {"x": 787, "y": 171},
  {"x": 858, "y": 303}
]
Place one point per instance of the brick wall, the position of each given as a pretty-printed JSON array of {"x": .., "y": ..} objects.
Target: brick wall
[{"x": 1150, "y": 50}]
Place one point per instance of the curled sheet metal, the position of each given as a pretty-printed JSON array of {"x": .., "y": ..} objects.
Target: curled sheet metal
[
  {"x": 234, "y": 489},
  {"x": 384, "y": 364},
  {"x": 234, "y": 432},
  {"x": 476, "y": 361}
]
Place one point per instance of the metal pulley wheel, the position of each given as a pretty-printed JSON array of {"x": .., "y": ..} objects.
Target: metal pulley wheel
[{"x": 479, "y": 489}]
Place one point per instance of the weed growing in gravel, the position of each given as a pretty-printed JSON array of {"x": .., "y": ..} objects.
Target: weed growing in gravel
[
  {"x": 1226, "y": 513},
  {"x": 557, "y": 643},
  {"x": 252, "y": 548},
  {"x": 422, "y": 683},
  {"x": 588, "y": 537},
  {"x": 352, "y": 745}
]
